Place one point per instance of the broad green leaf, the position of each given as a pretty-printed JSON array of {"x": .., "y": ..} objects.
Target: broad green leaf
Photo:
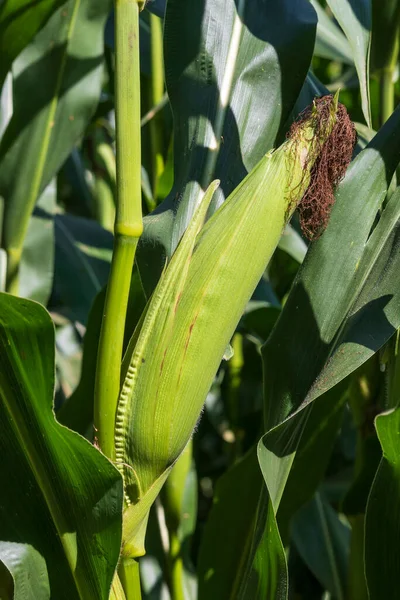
[
  {"x": 83, "y": 251},
  {"x": 341, "y": 324},
  {"x": 66, "y": 57},
  {"x": 224, "y": 566},
  {"x": 315, "y": 447},
  {"x": 73, "y": 176},
  {"x": 297, "y": 364},
  {"x": 330, "y": 42},
  {"x": 37, "y": 262},
  {"x": 323, "y": 541},
  {"x": 28, "y": 570},
  {"x": 354, "y": 17},
  {"x": 382, "y": 525},
  {"x": 233, "y": 72},
  {"x": 62, "y": 496},
  {"x": 20, "y": 20}
]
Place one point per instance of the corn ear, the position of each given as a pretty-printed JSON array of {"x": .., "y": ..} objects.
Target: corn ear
[{"x": 175, "y": 352}]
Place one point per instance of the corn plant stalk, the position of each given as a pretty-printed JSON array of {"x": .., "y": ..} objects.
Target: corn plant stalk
[
  {"x": 127, "y": 231},
  {"x": 128, "y": 221},
  {"x": 175, "y": 352}
]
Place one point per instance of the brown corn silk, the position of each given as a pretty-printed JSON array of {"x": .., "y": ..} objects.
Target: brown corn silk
[{"x": 333, "y": 158}]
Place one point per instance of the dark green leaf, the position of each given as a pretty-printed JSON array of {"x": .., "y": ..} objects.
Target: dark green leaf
[
  {"x": 232, "y": 80},
  {"x": 20, "y": 20},
  {"x": 382, "y": 525},
  {"x": 354, "y": 17},
  {"x": 57, "y": 83},
  {"x": 229, "y": 566},
  {"x": 323, "y": 542},
  {"x": 324, "y": 420},
  {"x": 330, "y": 42},
  {"x": 82, "y": 263},
  {"x": 385, "y": 28},
  {"x": 37, "y": 262},
  {"x": 28, "y": 570},
  {"x": 62, "y": 496}
]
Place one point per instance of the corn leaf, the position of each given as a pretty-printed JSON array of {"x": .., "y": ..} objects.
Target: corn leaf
[
  {"x": 302, "y": 365},
  {"x": 37, "y": 261},
  {"x": 231, "y": 83},
  {"x": 66, "y": 58},
  {"x": 28, "y": 570},
  {"x": 20, "y": 20},
  {"x": 228, "y": 539},
  {"x": 63, "y": 497},
  {"x": 323, "y": 542},
  {"x": 83, "y": 251},
  {"x": 330, "y": 42},
  {"x": 382, "y": 524},
  {"x": 343, "y": 324},
  {"x": 354, "y": 17},
  {"x": 385, "y": 23}
]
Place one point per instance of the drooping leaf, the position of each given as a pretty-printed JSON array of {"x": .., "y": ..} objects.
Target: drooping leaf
[
  {"x": 326, "y": 330},
  {"x": 314, "y": 345},
  {"x": 62, "y": 497},
  {"x": 315, "y": 447},
  {"x": 224, "y": 566},
  {"x": 28, "y": 570}
]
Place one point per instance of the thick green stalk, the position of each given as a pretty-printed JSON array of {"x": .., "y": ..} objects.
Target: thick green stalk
[
  {"x": 129, "y": 574},
  {"x": 128, "y": 221}
]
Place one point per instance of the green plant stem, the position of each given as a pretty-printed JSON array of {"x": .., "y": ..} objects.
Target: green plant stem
[
  {"x": 176, "y": 567},
  {"x": 157, "y": 92},
  {"x": 128, "y": 221},
  {"x": 129, "y": 575},
  {"x": 386, "y": 91}
]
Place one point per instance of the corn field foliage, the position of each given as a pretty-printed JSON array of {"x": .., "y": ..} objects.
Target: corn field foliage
[{"x": 200, "y": 300}]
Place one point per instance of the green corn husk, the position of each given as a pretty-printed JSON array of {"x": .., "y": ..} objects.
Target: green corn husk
[{"x": 174, "y": 354}]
